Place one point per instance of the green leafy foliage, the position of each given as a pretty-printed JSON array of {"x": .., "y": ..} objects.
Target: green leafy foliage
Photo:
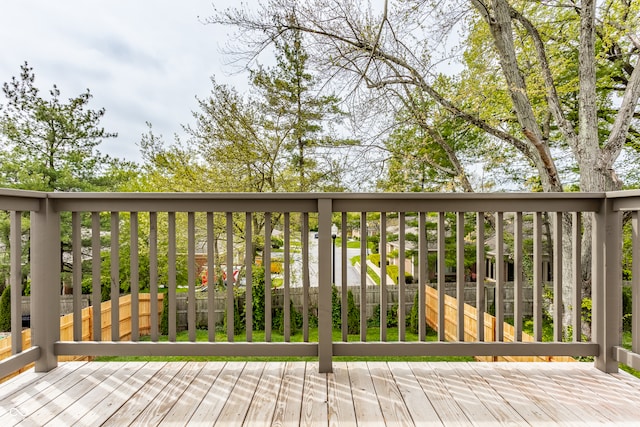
[
  {"x": 5, "y": 310},
  {"x": 414, "y": 319},
  {"x": 164, "y": 319},
  {"x": 257, "y": 298},
  {"x": 51, "y": 145}
]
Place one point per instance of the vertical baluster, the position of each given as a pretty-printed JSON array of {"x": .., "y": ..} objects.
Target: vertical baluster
[
  {"x": 248, "y": 257},
  {"x": 441, "y": 277},
  {"x": 480, "y": 274},
  {"x": 115, "y": 276},
  {"x": 153, "y": 275},
  {"x": 171, "y": 273},
  {"x": 557, "y": 277},
  {"x": 96, "y": 284},
  {"x": 576, "y": 241},
  {"x": 15, "y": 227},
  {"x": 383, "y": 276},
  {"x": 363, "y": 278},
  {"x": 401, "y": 278},
  {"x": 537, "y": 276},
  {"x": 635, "y": 284},
  {"x": 135, "y": 277},
  {"x": 211, "y": 285},
  {"x": 304, "y": 231},
  {"x": 460, "y": 279},
  {"x": 423, "y": 278},
  {"x": 287, "y": 296},
  {"x": 517, "y": 277},
  {"x": 76, "y": 247},
  {"x": 325, "y": 336},
  {"x": 229, "y": 281},
  {"x": 267, "y": 276},
  {"x": 499, "y": 290},
  {"x": 344, "y": 284},
  {"x": 191, "y": 275}
]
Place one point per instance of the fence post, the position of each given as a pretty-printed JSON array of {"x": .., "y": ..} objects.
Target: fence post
[
  {"x": 606, "y": 290},
  {"x": 325, "y": 339},
  {"x": 45, "y": 283}
]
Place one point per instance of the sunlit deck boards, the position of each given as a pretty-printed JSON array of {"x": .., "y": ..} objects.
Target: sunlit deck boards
[{"x": 294, "y": 393}]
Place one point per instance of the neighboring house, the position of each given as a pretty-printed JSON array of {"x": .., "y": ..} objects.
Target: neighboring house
[{"x": 507, "y": 250}]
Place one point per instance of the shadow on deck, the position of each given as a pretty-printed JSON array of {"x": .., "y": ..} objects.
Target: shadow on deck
[{"x": 294, "y": 393}]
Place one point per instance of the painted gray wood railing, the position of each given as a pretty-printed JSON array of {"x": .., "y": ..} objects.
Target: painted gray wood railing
[{"x": 169, "y": 219}]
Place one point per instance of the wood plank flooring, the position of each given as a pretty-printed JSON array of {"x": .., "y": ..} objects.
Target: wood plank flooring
[{"x": 294, "y": 393}]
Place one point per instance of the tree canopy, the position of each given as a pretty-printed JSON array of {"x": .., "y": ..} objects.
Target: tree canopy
[
  {"x": 556, "y": 83},
  {"x": 50, "y": 144}
]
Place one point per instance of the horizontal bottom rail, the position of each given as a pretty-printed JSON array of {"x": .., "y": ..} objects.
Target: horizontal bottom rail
[
  {"x": 109, "y": 348},
  {"x": 19, "y": 361},
  {"x": 225, "y": 349},
  {"x": 627, "y": 357},
  {"x": 465, "y": 349}
]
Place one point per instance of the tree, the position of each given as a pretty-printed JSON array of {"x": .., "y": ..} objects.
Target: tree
[
  {"x": 50, "y": 145},
  {"x": 298, "y": 111},
  {"x": 566, "y": 76}
]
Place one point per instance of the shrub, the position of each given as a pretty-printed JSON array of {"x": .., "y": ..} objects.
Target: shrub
[
  {"x": 238, "y": 316},
  {"x": 336, "y": 307},
  {"x": 353, "y": 320},
  {"x": 392, "y": 317},
  {"x": 627, "y": 300},
  {"x": 413, "y": 315},
  {"x": 257, "y": 294},
  {"x": 164, "y": 319},
  {"x": 295, "y": 322},
  {"x": 353, "y": 313},
  {"x": 5, "y": 310}
]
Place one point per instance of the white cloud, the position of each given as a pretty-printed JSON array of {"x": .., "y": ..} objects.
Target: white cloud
[{"x": 143, "y": 60}]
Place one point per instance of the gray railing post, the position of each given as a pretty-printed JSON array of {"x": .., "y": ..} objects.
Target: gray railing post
[
  {"x": 606, "y": 284},
  {"x": 45, "y": 283},
  {"x": 325, "y": 338}
]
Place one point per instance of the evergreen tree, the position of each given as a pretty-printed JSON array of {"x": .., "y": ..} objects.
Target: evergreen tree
[{"x": 298, "y": 110}]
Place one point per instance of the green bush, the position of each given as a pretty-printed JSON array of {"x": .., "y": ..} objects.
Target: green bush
[
  {"x": 353, "y": 313},
  {"x": 626, "y": 308},
  {"x": 164, "y": 319},
  {"x": 5, "y": 310},
  {"x": 353, "y": 319},
  {"x": 336, "y": 307},
  {"x": 238, "y": 316},
  {"x": 257, "y": 294},
  {"x": 392, "y": 317},
  {"x": 414, "y": 315},
  {"x": 295, "y": 322}
]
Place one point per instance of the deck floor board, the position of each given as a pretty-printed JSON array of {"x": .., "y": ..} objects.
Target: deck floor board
[{"x": 294, "y": 393}]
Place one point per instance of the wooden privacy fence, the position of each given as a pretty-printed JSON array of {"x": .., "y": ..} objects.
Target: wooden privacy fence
[
  {"x": 66, "y": 326},
  {"x": 470, "y": 328}
]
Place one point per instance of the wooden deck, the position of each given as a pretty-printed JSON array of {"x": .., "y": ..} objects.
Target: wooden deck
[{"x": 293, "y": 393}]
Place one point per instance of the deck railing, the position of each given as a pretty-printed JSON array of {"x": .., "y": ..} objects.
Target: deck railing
[{"x": 161, "y": 239}]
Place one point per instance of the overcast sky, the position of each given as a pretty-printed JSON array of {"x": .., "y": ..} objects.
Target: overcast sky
[{"x": 143, "y": 60}]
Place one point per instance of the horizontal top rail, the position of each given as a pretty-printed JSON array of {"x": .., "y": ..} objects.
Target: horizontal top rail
[
  {"x": 307, "y": 202},
  {"x": 20, "y": 200},
  {"x": 627, "y": 200}
]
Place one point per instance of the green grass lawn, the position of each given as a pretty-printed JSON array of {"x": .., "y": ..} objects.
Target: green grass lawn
[{"x": 373, "y": 334}]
